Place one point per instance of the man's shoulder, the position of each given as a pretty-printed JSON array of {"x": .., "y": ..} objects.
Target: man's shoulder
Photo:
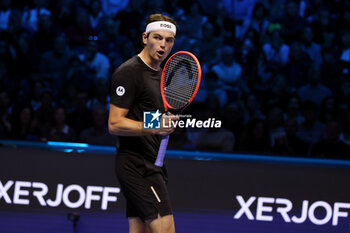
[{"x": 129, "y": 66}]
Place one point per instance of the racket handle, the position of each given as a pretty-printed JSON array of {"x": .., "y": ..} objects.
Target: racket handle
[{"x": 161, "y": 151}]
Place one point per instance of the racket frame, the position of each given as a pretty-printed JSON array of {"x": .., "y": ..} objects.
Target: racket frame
[
  {"x": 165, "y": 102},
  {"x": 164, "y": 142}
]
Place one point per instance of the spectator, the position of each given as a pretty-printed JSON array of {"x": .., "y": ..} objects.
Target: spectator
[
  {"x": 79, "y": 30},
  {"x": 229, "y": 73},
  {"x": 209, "y": 45},
  {"x": 96, "y": 15},
  {"x": 233, "y": 120},
  {"x": 98, "y": 134},
  {"x": 278, "y": 93},
  {"x": 24, "y": 55},
  {"x": 59, "y": 130},
  {"x": 44, "y": 37},
  {"x": 311, "y": 130},
  {"x": 197, "y": 21},
  {"x": 31, "y": 16},
  {"x": 345, "y": 52},
  {"x": 331, "y": 70},
  {"x": 12, "y": 40},
  {"x": 293, "y": 109},
  {"x": 248, "y": 52},
  {"x": 63, "y": 14},
  {"x": 23, "y": 94},
  {"x": 328, "y": 110},
  {"x": 5, "y": 113},
  {"x": 344, "y": 19},
  {"x": 276, "y": 8},
  {"x": 44, "y": 114},
  {"x": 97, "y": 62},
  {"x": 110, "y": 42},
  {"x": 345, "y": 135},
  {"x": 15, "y": 26},
  {"x": 343, "y": 95},
  {"x": 312, "y": 7},
  {"x": 130, "y": 25},
  {"x": 331, "y": 147},
  {"x": 276, "y": 51},
  {"x": 5, "y": 12},
  {"x": 81, "y": 117},
  {"x": 314, "y": 90},
  {"x": 240, "y": 11},
  {"x": 261, "y": 77},
  {"x": 259, "y": 19},
  {"x": 54, "y": 64},
  {"x": 224, "y": 22},
  {"x": 25, "y": 127},
  {"x": 310, "y": 47},
  {"x": 328, "y": 41},
  {"x": 112, "y": 7},
  {"x": 79, "y": 75},
  {"x": 275, "y": 123},
  {"x": 154, "y": 5},
  {"x": 5, "y": 79},
  {"x": 297, "y": 66},
  {"x": 100, "y": 95},
  {"x": 322, "y": 23},
  {"x": 289, "y": 144},
  {"x": 214, "y": 139},
  {"x": 128, "y": 50},
  {"x": 6, "y": 67},
  {"x": 220, "y": 140},
  {"x": 35, "y": 96},
  {"x": 210, "y": 86},
  {"x": 196, "y": 111},
  {"x": 255, "y": 138},
  {"x": 253, "y": 109},
  {"x": 292, "y": 24}
]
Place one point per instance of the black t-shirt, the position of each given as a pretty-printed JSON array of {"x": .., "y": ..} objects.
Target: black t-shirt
[{"x": 136, "y": 86}]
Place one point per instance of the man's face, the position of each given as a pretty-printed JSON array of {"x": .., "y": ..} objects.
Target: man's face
[{"x": 159, "y": 44}]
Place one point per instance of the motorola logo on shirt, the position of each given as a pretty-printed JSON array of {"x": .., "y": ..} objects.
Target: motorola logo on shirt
[{"x": 120, "y": 90}]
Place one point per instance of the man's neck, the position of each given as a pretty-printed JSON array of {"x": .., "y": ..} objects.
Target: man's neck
[{"x": 146, "y": 58}]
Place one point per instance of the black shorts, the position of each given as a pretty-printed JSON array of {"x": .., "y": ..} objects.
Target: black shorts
[{"x": 145, "y": 190}]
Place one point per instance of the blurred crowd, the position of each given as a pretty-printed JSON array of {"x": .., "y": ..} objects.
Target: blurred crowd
[{"x": 275, "y": 72}]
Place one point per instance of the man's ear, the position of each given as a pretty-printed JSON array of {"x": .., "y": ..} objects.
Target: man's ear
[{"x": 144, "y": 38}]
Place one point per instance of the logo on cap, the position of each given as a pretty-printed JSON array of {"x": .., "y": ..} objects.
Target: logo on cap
[{"x": 165, "y": 25}]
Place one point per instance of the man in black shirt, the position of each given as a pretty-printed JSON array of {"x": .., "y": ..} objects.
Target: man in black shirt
[{"x": 135, "y": 89}]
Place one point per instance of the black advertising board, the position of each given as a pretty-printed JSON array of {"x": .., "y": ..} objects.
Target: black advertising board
[{"x": 230, "y": 195}]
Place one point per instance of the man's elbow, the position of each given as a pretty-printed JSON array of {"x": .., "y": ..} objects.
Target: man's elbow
[{"x": 112, "y": 128}]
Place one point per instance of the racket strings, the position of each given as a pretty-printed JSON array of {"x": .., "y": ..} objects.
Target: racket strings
[{"x": 180, "y": 80}]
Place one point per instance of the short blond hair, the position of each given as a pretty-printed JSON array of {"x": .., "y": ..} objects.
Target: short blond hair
[{"x": 159, "y": 17}]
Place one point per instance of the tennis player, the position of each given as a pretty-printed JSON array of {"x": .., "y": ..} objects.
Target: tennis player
[{"x": 135, "y": 89}]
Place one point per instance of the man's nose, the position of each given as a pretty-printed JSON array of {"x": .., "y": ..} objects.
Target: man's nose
[{"x": 162, "y": 43}]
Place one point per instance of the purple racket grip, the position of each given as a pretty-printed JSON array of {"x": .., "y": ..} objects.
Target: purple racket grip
[{"x": 161, "y": 151}]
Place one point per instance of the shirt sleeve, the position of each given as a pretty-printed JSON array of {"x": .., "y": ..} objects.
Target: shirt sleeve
[{"x": 124, "y": 87}]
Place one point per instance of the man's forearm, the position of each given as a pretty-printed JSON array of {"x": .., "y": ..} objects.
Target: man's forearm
[{"x": 128, "y": 127}]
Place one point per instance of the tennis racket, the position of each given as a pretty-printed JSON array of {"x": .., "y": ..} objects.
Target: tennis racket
[{"x": 179, "y": 84}]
